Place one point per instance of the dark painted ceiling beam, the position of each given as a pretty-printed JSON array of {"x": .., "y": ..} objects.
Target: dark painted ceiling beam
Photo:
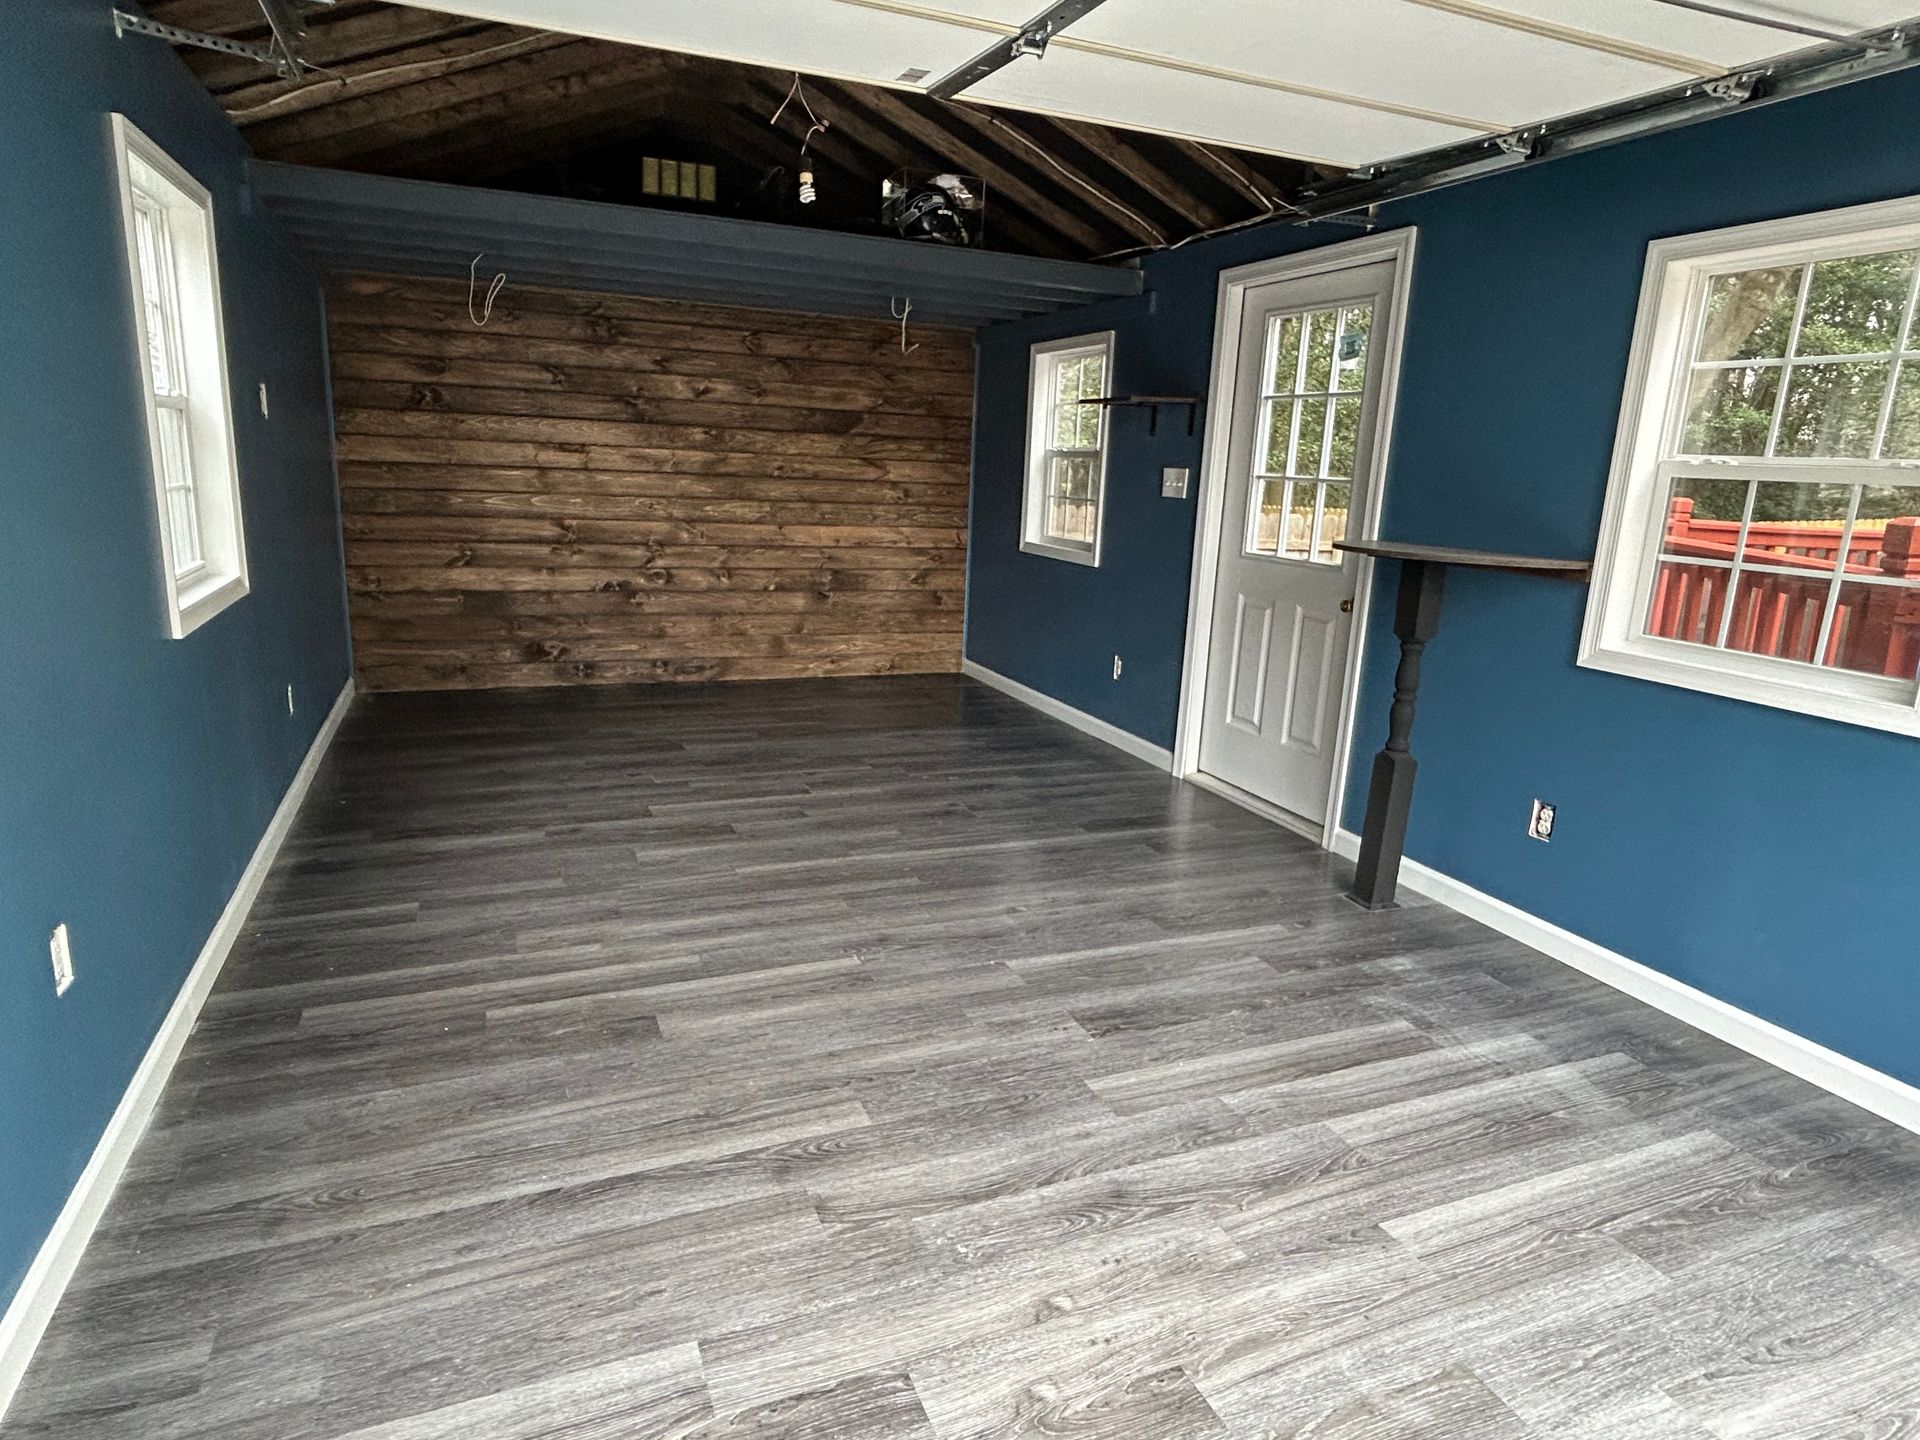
[{"x": 348, "y": 221}]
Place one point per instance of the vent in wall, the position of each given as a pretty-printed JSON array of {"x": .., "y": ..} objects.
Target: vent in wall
[{"x": 678, "y": 179}]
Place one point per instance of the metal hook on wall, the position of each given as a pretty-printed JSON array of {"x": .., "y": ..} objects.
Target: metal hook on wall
[
  {"x": 499, "y": 283},
  {"x": 900, "y": 314}
]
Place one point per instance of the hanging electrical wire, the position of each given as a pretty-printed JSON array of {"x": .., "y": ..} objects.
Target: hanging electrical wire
[
  {"x": 1152, "y": 231},
  {"x": 345, "y": 79},
  {"x": 797, "y": 91},
  {"x": 1272, "y": 203}
]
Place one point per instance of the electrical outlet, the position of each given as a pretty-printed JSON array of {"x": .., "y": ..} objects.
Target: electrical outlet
[
  {"x": 263, "y": 400},
  {"x": 1116, "y": 667},
  {"x": 1540, "y": 826},
  {"x": 289, "y": 699},
  {"x": 62, "y": 959}
]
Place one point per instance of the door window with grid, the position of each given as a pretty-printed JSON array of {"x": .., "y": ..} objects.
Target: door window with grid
[
  {"x": 181, "y": 352},
  {"x": 1066, "y": 448},
  {"x": 1312, "y": 378},
  {"x": 1769, "y": 519}
]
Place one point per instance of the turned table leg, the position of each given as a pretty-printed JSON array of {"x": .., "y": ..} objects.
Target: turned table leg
[{"x": 1390, "y": 794}]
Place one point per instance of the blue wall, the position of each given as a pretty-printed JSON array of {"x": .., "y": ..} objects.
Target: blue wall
[
  {"x": 1668, "y": 848},
  {"x": 137, "y": 772}
]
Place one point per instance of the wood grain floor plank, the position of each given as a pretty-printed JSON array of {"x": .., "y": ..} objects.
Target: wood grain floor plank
[
  {"x": 876, "y": 1059},
  {"x": 658, "y": 1393},
  {"x": 863, "y": 1407}
]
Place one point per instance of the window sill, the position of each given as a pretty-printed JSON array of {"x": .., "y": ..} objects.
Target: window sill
[
  {"x": 205, "y": 598},
  {"x": 1851, "y": 699},
  {"x": 1072, "y": 554}
]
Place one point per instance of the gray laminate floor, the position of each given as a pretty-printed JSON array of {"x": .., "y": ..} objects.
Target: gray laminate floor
[{"x": 879, "y": 1060}]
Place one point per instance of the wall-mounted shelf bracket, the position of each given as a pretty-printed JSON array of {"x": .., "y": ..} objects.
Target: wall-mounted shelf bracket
[{"x": 1151, "y": 404}]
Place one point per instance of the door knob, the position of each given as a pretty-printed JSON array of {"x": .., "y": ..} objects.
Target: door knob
[{"x": 1346, "y": 606}]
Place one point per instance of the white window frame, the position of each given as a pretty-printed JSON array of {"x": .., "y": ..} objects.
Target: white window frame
[
  {"x": 1672, "y": 301},
  {"x": 1295, "y": 397},
  {"x": 1044, "y": 363},
  {"x": 196, "y": 590}
]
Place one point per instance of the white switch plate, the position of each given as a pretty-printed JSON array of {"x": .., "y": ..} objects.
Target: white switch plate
[
  {"x": 263, "y": 400},
  {"x": 62, "y": 959},
  {"x": 1173, "y": 482},
  {"x": 289, "y": 699},
  {"x": 1116, "y": 667}
]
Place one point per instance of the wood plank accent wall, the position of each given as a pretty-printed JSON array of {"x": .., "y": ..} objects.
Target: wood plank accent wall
[{"x": 598, "y": 488}]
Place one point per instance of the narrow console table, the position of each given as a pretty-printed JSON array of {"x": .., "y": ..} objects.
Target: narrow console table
[{"x": 1423, "y": 574}]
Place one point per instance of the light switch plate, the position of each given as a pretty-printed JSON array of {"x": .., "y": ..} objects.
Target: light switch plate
[{"x": 1173, "y": 482}]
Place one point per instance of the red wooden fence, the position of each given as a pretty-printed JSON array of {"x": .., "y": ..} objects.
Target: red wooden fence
[{"x": 1876, "y": 628}]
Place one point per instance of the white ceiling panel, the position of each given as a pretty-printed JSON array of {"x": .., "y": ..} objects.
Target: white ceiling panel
[
  {"x": 819, "y": 37},
  {"x": 1714, "y": 43},
  {"x": 1387, "y": 51},
  {"x": 1846, "y": 15},
  {"x": 1350, "y": 82},
  {"x": 1092, "y": 86}
]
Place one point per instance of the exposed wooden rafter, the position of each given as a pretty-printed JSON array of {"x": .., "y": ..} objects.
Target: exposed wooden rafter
[{"x": 418, "y": 94}]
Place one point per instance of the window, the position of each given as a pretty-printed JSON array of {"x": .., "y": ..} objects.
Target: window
[
  {"x": 181, "y": 349},
  {"x": 1760, "y": 534},
  {"x": 1067, "y": 448},
  {"x": 1313, "y": 375}
]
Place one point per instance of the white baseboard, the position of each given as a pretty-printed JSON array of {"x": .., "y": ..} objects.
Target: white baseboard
[
  {"x": 1864, "y": 1086},
  {"x": 1154, "y": 755},
  {"x": 46, "y": 1279}
]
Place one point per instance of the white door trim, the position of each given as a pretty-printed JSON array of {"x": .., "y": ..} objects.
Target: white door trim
[{"x": 1392, "y": 245}]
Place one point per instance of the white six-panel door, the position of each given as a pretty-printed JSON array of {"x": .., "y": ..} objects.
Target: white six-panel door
[{"x": 1300, "y": 465}]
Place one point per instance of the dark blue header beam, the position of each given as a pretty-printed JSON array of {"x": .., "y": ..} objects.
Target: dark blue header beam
[{"x": 353, "y": 222}]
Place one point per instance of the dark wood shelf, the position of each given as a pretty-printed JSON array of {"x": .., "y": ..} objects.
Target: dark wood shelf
[
  {"x": 1416, "y": 619},
  {"x": 1152, "y": 404},
  {"x": 1470, "y": 559}
]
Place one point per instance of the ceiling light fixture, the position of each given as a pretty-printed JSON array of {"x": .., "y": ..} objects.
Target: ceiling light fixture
[{"x": 808, "y": 193}]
